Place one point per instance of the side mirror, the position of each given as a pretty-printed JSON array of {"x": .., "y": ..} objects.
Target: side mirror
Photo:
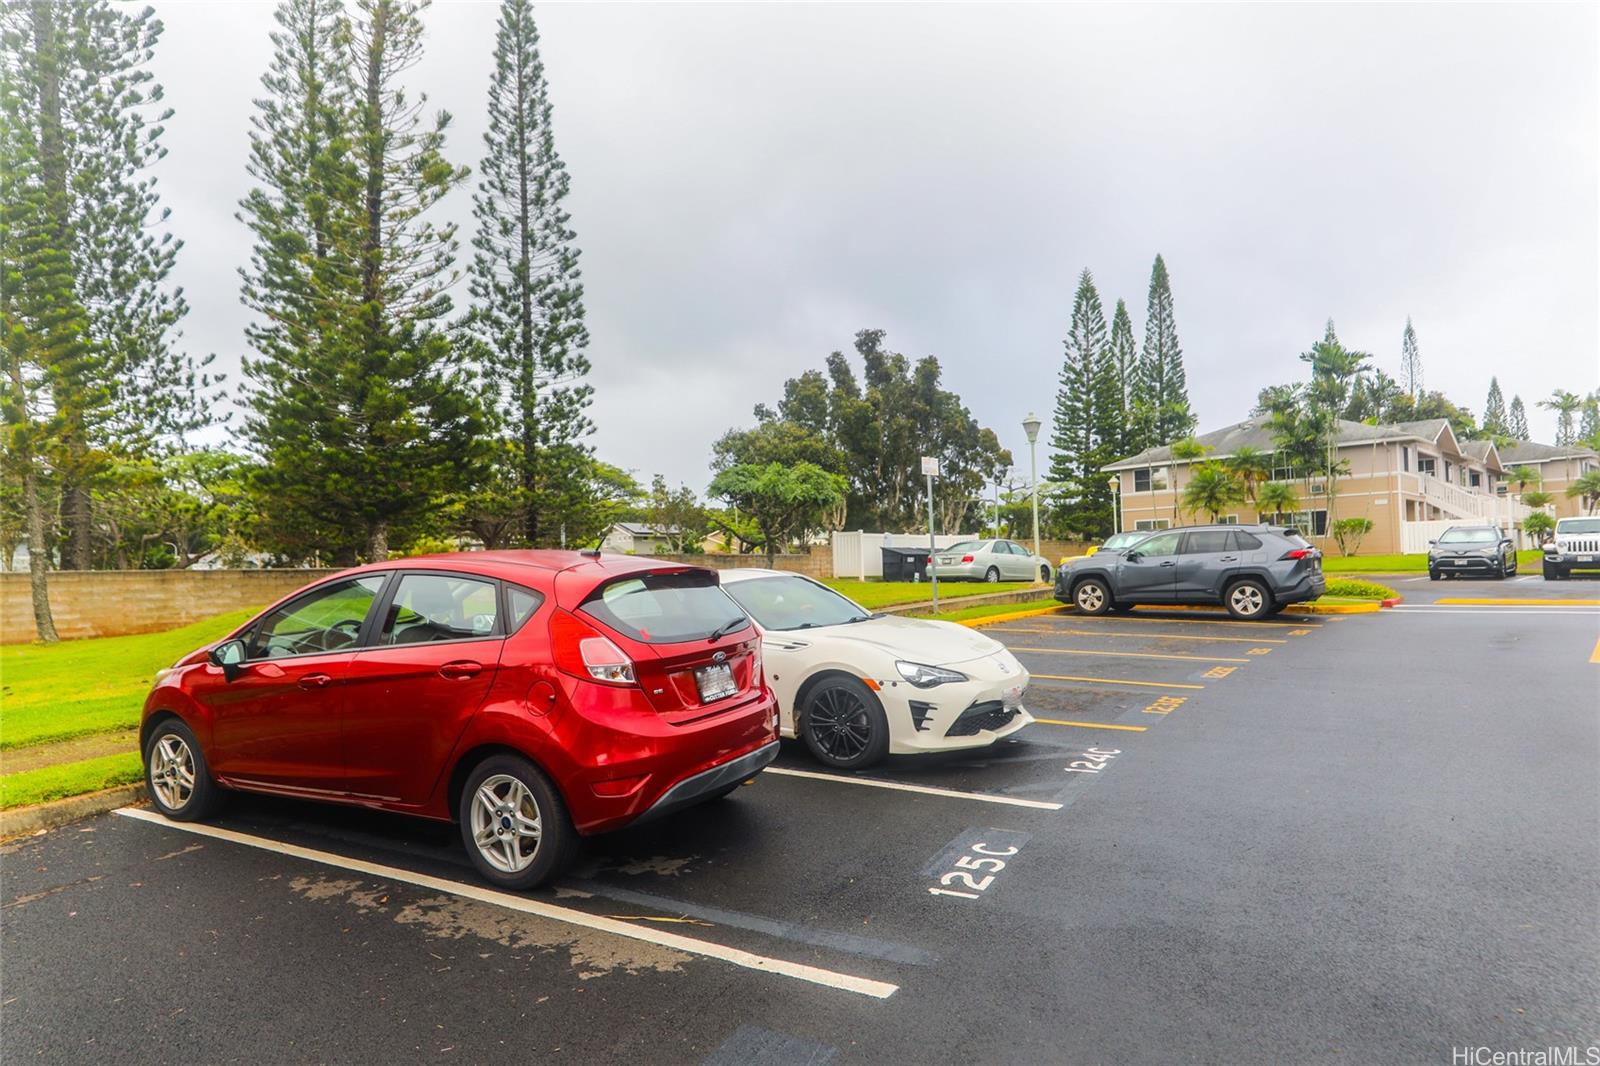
[
  {"x": 1133, "y": 557},
  {"x": 1431, "y": 543},
  {"x": 230, "y": 656}
]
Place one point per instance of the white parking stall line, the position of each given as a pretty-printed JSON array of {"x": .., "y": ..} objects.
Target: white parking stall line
[
  {"x": 749, "y": 960},
  {"x": 926, "y": 790}
]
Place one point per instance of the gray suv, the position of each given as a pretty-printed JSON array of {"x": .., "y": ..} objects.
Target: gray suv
[{"x": 1253, "y": 571}]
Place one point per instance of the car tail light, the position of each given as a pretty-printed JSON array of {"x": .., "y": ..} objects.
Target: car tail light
[
  {"x": 966, "y": 558},
  {"x": 580, "y": 649},
  {"x": 1296, "y": 553}
]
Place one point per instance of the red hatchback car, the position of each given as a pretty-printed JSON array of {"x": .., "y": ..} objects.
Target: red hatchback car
[{"x": 530, "y": 696}]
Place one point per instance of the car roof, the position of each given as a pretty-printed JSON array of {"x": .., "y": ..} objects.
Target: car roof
[{"x": 745, "y": 573}]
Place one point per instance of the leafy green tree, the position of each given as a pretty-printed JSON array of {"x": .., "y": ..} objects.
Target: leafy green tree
[
  {"x": 1348, "y": 533},
  {"x": 1589, "y": 423},
  {"x": 528, "y": 317},
  {"x": 90, "y": 122},
  {"x": 777, "y": 440},
  {"x": 1334, "y": 371},
  {"x": 1123, "y": 353},
  {"x": 1212, "y": 488},
  {"x": 784, "y": 502},
  {"x": 361, "y": 408},
  {"x": 1252, "y": 467},
  {"x": 1435, "y": 405},
  {"x": 1587, "y": 487},
  {"x": 1522, "y": 477},
  {"x": 1538, "y": 499},
  {"x": 1517, "y": 420},
  {"x": 1161, "y": 411},
  {"x": 1086, "y": 428},
  {"x": 1565, "y": 404},
  {"x": 1410, "y": 361},
  {"x": 683, "y": 522},
  {"x": 1277, "y": 498},
  {"x": 1538, "y": 525},
  {"x": 1494, "y": 410}
]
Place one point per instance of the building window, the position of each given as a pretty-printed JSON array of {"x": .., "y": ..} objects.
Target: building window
[
  {"x": 1228, "y": 520},
  {"x": 1313, "y": 523},
  {"x": 1146, "y": 525},
  {"x": 1425, "y": 465},
  {"x": 1500, "y": 489},
  {"x": 1150, "y": 478},
  {"x": 1405, "y": 458},
  {"x": 1477, "y": 480}
]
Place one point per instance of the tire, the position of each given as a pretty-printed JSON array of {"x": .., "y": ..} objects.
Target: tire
[
  {"x": 991, "y": 575},
  {"x": 1092, "y": 597},
  {"x": 1044, "y": 573},
  {"x": 176, "y": 774},
  {"x": 501, "y": 791},
  {"x": 1248, "y": 600},
  {"x": 1549, "y": 572},
  {"x": 844, "y": 724},
  {"x": 1433, "y": 575}
]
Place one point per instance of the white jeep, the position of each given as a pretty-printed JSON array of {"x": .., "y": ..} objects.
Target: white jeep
[{"x": 1575, "y": 546}]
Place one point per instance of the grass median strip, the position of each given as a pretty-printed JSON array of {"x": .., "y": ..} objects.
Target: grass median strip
[
  {"x": 69, "y": 779},
  {"x": 875, "y": 594}
]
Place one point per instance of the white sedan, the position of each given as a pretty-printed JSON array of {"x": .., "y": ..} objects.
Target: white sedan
[{"x": 858, "y": 686}]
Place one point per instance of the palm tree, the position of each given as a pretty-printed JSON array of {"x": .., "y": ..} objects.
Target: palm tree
[
  {"x": 1251, "y": 465},
  {"x": 1538, "y": 500},
  {"x": 1277, "y": 497},
  {"x": 1188, "y": 450},
  {"x": 1565, "y": 404},
  {"x": 1522, "y": 477},
  {"x": 1587, "y": 486},
  {"x": 1335, "y": 371},
  {"x": 1212, "y": 488}
]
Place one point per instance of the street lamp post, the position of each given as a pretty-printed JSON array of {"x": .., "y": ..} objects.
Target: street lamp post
[
  {"x": 1030, "y": 426},
  {"x": 1116, "y": 509}
]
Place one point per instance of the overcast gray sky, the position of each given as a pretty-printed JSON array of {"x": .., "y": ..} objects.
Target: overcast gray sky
[{"x": 754, "y": 184}]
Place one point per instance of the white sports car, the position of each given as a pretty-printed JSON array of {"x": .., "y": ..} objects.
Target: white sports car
[{"x": 858, "y": 686}]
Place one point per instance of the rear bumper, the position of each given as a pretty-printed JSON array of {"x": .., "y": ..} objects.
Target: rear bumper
[
  {"x": 1308, "y": 589},
  {"x": 692, "y": 790}
]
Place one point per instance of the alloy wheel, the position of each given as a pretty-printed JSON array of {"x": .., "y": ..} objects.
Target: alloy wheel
[
  {"x": 506, "y": 826},
  {"x": 1091, "y": 597},
  {"x": 1247, "y": 600},
  {"x": 172, "y": 771},
  {"x": 838, "y": 722}
]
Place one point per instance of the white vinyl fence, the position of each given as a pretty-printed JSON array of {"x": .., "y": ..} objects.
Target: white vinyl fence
[
  {"x": 857, "y": 555},
  {"x": 1414, "y": 536}
]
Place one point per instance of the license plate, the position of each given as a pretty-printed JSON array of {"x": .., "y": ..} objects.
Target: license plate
[
  {"x": 1011, "y": 699},
  {"x": 1458, "y": 562},
  {"x": 715, "y": 682},
  {"x": 947, "y": 560},
  {"x": 1585, "y": 558}
]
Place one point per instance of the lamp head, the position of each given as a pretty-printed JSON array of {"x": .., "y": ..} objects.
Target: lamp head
[{"x": 1030, "y": 426}]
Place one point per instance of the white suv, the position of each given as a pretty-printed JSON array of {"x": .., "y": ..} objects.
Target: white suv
[{"x": 1576, "y": 546}]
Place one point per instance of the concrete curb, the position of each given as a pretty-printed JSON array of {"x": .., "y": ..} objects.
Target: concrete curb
[
  {"x": 1335, "y": 608},
  {"x": 26, "y": 821},
  {"x": 995, "y": 619}
]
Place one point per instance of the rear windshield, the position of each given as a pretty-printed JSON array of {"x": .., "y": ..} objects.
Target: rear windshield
[
  {"x": 1578, "y": 525},
  {"x": 793, "y": 603},
  {"x": 1293, "y": 537},
  {"x": 962, "y": 546},
  {"x": 664, "y": 608},
  {"x": 1469, "y": 536}
]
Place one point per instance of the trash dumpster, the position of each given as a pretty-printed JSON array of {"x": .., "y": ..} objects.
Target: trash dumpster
[{"x": 905, "y": 564}]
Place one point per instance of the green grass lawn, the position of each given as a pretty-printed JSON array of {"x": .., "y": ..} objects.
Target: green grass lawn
[
  {"x": 1398, "y": 564},
  {"x": 875, "y": 594},
  {"x": 69, "y": 779},
  {"x": 81, "y": 687},
  {"x": 985, "y": 610}
]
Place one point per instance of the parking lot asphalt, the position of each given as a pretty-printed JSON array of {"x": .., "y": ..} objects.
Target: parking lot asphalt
[{"x": 1364, "y": 838}]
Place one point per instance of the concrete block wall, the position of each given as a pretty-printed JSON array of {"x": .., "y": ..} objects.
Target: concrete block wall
[{"x": 817, "y": 564}]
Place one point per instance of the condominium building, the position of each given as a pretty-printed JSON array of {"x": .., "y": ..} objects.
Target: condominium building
[{"x": 1412, "y": 479}]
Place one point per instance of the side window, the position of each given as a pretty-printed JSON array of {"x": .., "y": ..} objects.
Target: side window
[
  {"x": 523, "y": 603},
  {"x": 1206, "y": 542},
  {"x": 435, "y": 607},
  {"x": 1245, "y": 542},
  {"x": 324, "y": 620},
  {"x": 1014, "y": 549},
  {"x": 1165, "y": 544}
]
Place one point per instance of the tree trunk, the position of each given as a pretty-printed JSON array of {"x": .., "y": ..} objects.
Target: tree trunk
[
  {"x": 378, "y": 543},
  {"x": 38, "y": 557}
]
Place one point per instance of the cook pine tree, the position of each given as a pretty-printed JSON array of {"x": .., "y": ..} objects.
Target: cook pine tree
[
  {"x": 1123, "y": 352},
  {"x": 1410, "y": 362},
  {"x": 1494, "y": 410},
  {"x": 1517, "y": 420},
  {"x": 362, "y": 409},
  {"x": 1086, "y": 427},
  {"x": 1161, "y": 408},
  {"x": 88, "y": 116},
  {"x": 527, "y": 317}
]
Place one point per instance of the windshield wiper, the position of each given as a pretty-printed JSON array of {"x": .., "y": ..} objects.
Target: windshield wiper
[{"x": 727, "y": 627}]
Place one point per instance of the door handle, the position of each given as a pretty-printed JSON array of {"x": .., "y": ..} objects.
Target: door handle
[
  {"x": 315, "y": 681},
  {"x": 1228, "y": 559},
  {"x": 1170, "y": 562},
  {"x": 460, "y": 670}
]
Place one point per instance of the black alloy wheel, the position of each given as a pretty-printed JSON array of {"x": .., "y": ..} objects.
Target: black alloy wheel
[{"x": 844, "y": 725}]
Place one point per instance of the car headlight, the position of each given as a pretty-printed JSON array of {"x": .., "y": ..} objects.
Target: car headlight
[{"x": 924, "y": 676}]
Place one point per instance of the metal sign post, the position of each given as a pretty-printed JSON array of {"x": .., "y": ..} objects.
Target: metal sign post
[{"x": 930, "y": 469}]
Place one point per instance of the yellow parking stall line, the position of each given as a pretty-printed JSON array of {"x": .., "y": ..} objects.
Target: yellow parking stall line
[
  {"x": 1139, "y": 636},
  {"x": 1594, "y": 656},
  {"x": 1114, "y": 681},
  {"x": 1131, "y": 654},
  {"x": 1091, "y": 725}
]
